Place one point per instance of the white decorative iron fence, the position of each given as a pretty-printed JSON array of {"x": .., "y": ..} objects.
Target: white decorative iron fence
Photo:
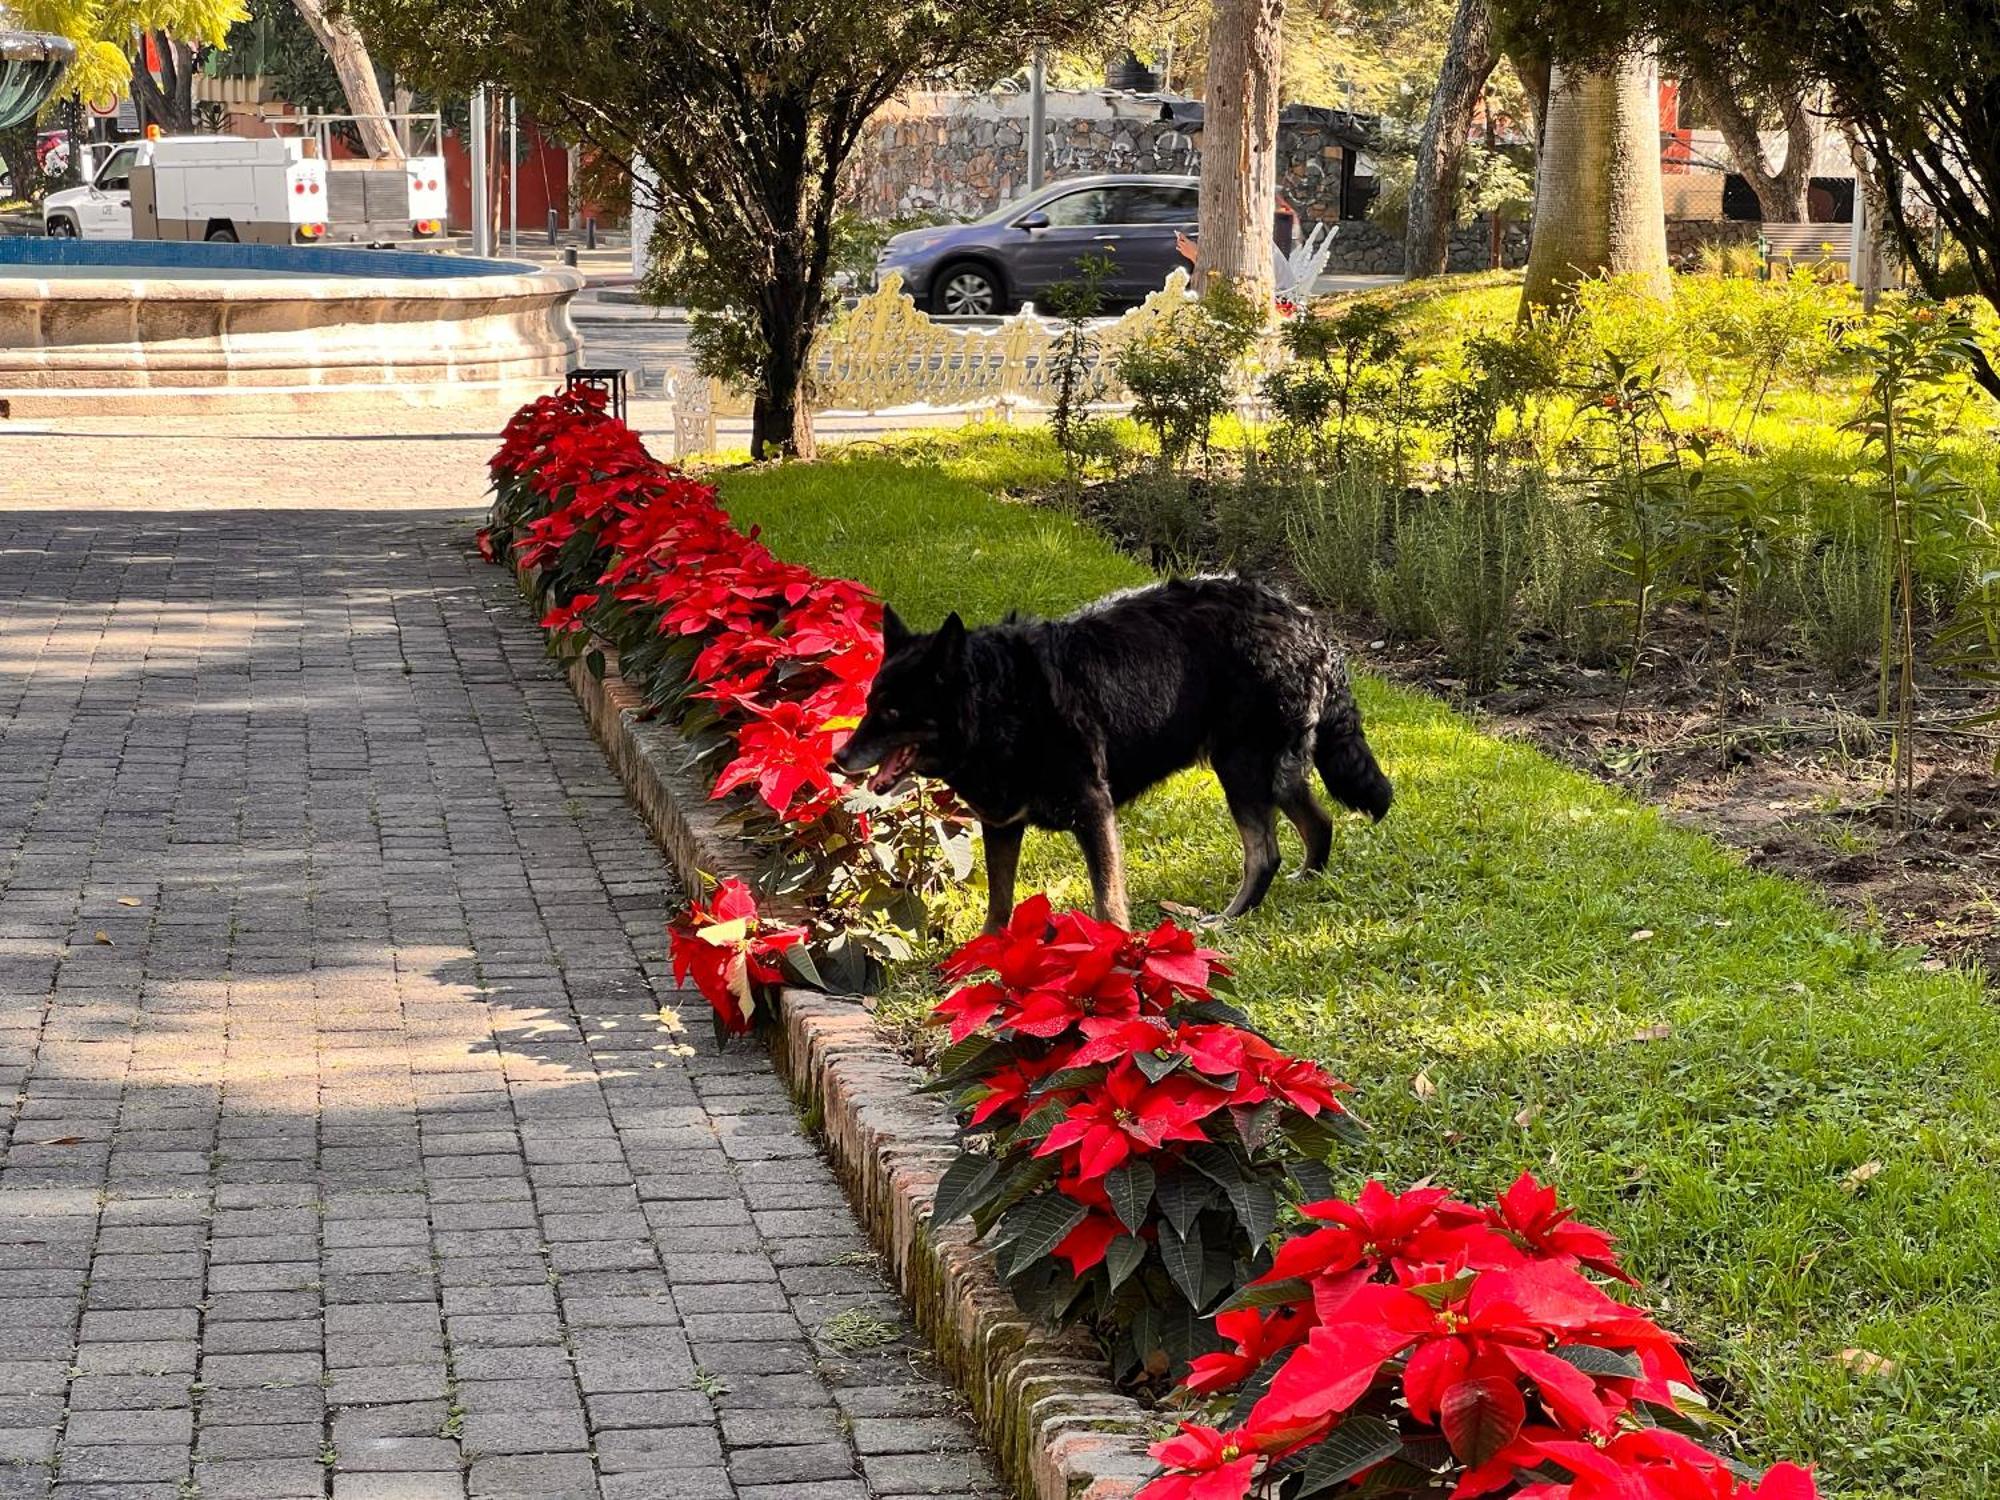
[{"x": 884, "y": 354}]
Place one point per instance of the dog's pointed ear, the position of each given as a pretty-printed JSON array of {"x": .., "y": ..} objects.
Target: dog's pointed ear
[
  {"x": 948, "y": 645},
  {"x": 894, "y": 631}
]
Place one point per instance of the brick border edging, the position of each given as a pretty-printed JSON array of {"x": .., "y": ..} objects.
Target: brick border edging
[{"x": 1060, "y": 1428}]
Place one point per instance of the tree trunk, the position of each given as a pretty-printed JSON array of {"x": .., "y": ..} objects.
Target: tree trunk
[
  {"x": 1781, "y": 191},
  {"x": 1874, "y": 249},
  {"x": 342, "y": 42},
  {"x": 1533, "y": 73},
  {"x": 1239, "y": 148},
  {"x": 1598, "y": 207},
  {"x": 1468, "y": 60},
  {"x": 788, "y": 315},
  {"x": 17, "y": 156},
  {"x": 169, "y": 99}
]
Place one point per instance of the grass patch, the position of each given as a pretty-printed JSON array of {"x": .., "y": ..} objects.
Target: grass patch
[{"x": 1793, "y": 1128}]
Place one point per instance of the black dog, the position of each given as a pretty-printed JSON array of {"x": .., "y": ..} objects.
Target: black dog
[{"x": 1059, "y": 722}]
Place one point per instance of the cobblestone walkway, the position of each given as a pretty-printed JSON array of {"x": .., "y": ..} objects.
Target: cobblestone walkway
[{"x": 341, "y": 1147}]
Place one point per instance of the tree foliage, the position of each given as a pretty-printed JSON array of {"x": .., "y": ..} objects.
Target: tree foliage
[
  {"x": 742, "y": 116},
  {"x": 1375, "y": 56},
  {"x": 103, "y": 31},
  {"x": 1916, "y": 81}
]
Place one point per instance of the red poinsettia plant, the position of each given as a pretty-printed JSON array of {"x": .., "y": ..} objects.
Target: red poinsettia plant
[
  {"x": 1411, "y": 1343},
  {"x": 730, "y": 953},
  {"x": 762, "y": 664},
  {"x": 1127, "y": 1139}
]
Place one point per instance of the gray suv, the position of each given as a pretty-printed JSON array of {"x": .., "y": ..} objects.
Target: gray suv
[{"x": 1017, "y": 252}]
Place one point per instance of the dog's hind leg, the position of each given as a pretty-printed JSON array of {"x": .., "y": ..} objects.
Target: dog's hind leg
[
  {"x": 1003, "y": 858},
  {"x": 1246, "y": 784},
  {"x": 1302, "y": 808},
  {"x": 1097, "y": 833}
]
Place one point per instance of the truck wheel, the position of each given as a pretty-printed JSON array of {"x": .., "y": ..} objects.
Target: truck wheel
[
  {"x": 221, "y": 234},
  {"x": 62, "y": 229}
]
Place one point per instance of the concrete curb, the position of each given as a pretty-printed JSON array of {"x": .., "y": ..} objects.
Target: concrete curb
[{"x": 1058, "y": 1426}]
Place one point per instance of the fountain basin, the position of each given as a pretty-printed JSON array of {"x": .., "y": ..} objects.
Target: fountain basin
[{"x": 136, "y": 326}]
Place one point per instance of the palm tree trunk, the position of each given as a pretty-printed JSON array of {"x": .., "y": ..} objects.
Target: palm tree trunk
[
  {"x": 1469, "y": 57},
  {"x": 1598, "y": 206},
  {"x": 1239, "y": 147},
  {"x": 345, "y": 49}
]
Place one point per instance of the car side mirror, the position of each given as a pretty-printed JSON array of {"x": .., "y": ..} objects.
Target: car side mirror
[{"x": 1033, "y": 221}]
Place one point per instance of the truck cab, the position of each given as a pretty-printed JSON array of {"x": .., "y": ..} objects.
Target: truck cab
[{"x": 102, "y": 208}]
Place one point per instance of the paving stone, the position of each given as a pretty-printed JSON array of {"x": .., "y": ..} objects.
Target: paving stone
[
  {"x": 658, "y": 1448},
  {"x": 792, "y": 1464},
  {"x": 427, "y": 1486},
  {"x": 524, "y": 1432},
  {"x": 261, "y": 1479},
  {"x": 557, "y": 1477},
  {"x": 618, "y": 1409}
]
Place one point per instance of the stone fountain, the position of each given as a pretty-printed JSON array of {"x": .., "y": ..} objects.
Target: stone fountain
[{"x": 31, "y": 64}]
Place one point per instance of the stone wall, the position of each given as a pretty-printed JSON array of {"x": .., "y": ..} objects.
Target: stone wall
[
  {"x": 1363, "y": 247},
  {"x": 1686, "y": 237},
  {"x": 964, "y": 155}
]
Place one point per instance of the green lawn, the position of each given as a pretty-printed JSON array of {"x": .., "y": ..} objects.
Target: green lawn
[{"x": 1794, "y": 1129}]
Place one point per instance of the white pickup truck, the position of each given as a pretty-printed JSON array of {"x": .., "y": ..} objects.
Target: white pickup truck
[{"x": 273, "y": 190}]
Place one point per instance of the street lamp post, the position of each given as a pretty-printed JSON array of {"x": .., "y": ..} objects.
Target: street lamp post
[
  {"x": 482, "y": 207},
  {"x": 1038, "y": 118}
]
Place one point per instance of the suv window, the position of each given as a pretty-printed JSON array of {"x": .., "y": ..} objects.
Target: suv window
[
  {"x": 117, "y": 170},
  {"x": 1080, "y": 210},
  {"x": 1159, "y": 205}
]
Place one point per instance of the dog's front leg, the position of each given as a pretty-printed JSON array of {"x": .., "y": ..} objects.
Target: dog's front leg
[
  {"x": 1097, "y": 832},
  {"x": 1003, "y": 858}
]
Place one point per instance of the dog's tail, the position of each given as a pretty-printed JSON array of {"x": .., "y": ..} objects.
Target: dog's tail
[{"x": 1340, "y": 750}]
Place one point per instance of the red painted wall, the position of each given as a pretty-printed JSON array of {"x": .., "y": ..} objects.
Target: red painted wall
[{"x": 543, "y": 178}]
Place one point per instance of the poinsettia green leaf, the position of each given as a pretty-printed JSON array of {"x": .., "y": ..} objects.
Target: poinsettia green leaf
[
  {"x": 796, "y": 963},
  {"x": 1182, "y": 1256},
  {"x": 1255, "y": 1204},
  {"x": 975, "y": 1057},
  {"x": 1033, "y": 1230},
  {"x": 1182, "y": 1197},
  {"x": 1019, "y": 1181},
  {"x": 964, "y": 1182},
  {"x": 1130, "y": 1189},
  {"x": 1156, "y": 1067},
  {"x": 1071, "y": 1078},
  {"x": 1615, "y": 1364},
  {"x": 1358, "y": 1444},
  {"x": 1270, "y": 1294},
  {"x": 1122, "y": 1257}
]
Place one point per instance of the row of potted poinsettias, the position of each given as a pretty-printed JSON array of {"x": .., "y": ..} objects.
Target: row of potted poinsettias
[{"x": 1141, "y": 1160}]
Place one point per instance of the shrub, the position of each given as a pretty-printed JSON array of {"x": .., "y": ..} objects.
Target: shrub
[
  {"x": 1248, "y": 518},
  {"x": 1185, "y": 374},
  {"x": 1336, "y": 531},
  {"x": 1840, "y": 591},
  {"x": 1127, "y": 1139},
  {"x": 1567, "y": 572},
  {"x": 1454, "y": 575}
]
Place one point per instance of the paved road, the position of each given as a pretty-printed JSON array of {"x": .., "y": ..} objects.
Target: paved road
[{"x": 345, "y": 1145}]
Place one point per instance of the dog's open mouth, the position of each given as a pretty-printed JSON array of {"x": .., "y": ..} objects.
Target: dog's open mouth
[{"x": 892, "y": 770}]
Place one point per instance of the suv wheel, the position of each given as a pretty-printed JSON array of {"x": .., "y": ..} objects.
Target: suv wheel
[
  {"x": 62, "y": 229},
  {"x": 967, "y": 290}
]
